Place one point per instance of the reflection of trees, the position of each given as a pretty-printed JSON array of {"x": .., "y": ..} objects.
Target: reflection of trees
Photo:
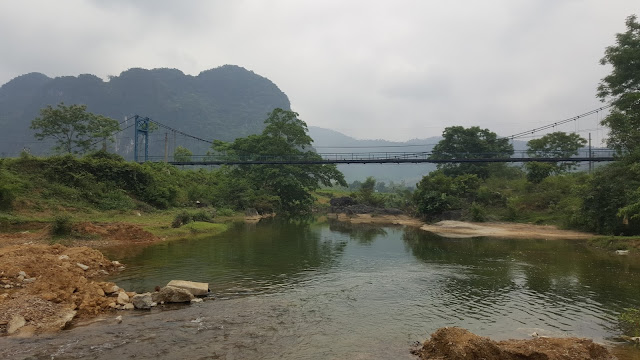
[
  {"x": 565, "y": 268},
  {"x": 246, "y": 254},
  {"x": 363, "y": 233}
]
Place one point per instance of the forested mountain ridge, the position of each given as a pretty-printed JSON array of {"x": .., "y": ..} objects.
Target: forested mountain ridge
[{"x": 222, "y": 103}]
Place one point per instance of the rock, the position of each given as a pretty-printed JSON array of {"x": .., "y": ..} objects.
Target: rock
[
  {"x": 8, "y": 286},
  {"x": 103, "y": 272},
  {"x": 63, "y": 257},
  {"x": 170, "y": 294},
  {"x": 154, "y": 304},
  {"x": 142, "y": 301},
  {"x": 100, "y": 292},
  {"x": 342, "y": 201},
  {"x": 195, "y": 288},
  {"x": 29, "y": 280},
  {"x": 128, "y": 306},
  {"x": 23, "y": 274},
  {"x": 109, "y": 288},
  {"x": 82, "y": 266},
  {"x": 16, "y": 322},
  {"x": 115, "y": 262},
  {"x": 119, "y": 319},
  {"x": 20, "y": 278},
  {"x": 622, "y": 252},
  {"x": 64, "y": 318},
  {"x": 196, "y": 300},
  {"x": 112, "y": 305},
  {"x": 123, "y": 298}
]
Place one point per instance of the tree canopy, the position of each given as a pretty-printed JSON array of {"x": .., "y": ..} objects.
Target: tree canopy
[
  {"x": 557, "y": 144},
  {"x": 622, "y": 88},
  {"x": 289, "y": 186},
  {"x": 75, "y": 130},
  {"x": 469, "y": 143}
]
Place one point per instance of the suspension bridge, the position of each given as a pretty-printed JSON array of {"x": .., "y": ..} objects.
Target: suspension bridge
[{"x": 143, "y": 126}]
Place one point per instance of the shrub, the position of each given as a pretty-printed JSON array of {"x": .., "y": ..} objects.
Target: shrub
[
  {"x": 62, "y": 225},
  {"x": 629, "y": 322},
  {"x": 202, "y": 215},
  {"x": 225, "y": 212},
  {"x": 477, "y": 212},
  {"x": 182, "y": 218}
]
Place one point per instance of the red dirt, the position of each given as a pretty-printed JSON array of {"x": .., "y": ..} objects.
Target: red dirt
[{"x": 453, "y": 343}]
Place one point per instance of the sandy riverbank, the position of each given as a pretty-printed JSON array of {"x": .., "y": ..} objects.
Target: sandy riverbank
[{"x": 460, "y": 229}]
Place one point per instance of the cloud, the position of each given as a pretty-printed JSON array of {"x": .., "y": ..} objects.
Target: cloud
[{"x": 373, "y": 69}]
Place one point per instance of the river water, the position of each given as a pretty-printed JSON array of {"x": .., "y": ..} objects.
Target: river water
[{"x": 338, "y": 291}]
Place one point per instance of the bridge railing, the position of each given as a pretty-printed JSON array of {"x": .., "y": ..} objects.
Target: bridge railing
[{"x": 386, "y": 156}]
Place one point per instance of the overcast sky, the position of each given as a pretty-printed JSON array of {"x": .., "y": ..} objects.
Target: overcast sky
[{"x": 371, "y": 69}]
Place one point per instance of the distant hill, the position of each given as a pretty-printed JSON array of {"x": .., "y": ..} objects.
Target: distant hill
[{"x": 222, "y": 103}]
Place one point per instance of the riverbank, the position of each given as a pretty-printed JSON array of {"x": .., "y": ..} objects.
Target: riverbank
[{"x": 460, "y": 229}]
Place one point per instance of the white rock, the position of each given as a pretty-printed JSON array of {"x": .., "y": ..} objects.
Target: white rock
[
  {"x": 196, "y": 300},
  {"x": 123, "y": 298},
  {"x": 82, "y": 266},
  {"x": 103, "y": 272},
  {"x": 128, "y": 306},
  {"x": 15, "y": 323},
  {"x": 63, "y": 257},
  {"x": 29, "y": 280},
  {"x": 20, "y": 278},
  {"x": 622, "y": 252},
  {"x": 119, "y": 319},
  {"x": 195, "y": 288},
  {"x": 22, "y": 273},
  {"x": 153, "y": 304},
  {"x": 8, "y": 286},
  {"x": 115, "y": 262},
  {"x": 142, "y": 301},
  {"x": 114, "y": 289}
]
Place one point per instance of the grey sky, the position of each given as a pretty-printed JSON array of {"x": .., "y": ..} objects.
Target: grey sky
[{"x": 371, "y": 69}]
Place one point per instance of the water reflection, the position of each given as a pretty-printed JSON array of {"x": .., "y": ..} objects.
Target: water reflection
[
  {"x": 363, "y": 233},
  {"x": 249, "y": 258}
]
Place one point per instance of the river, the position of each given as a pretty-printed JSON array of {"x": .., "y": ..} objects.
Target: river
[{"x": 296, "y": 290}]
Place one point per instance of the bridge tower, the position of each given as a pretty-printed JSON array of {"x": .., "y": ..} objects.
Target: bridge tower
[{"x": 141, "y": 129}]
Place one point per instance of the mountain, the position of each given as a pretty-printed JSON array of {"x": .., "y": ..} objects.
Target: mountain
[
  {"x": 222, "y": 103},
  {"x": 330, "y": 141}
]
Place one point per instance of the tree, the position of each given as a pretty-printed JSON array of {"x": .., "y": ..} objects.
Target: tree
[
  {"x": 469, "y": 143},
  {"x": 554, "y": 145},
  {"x": 182, "y": 154},
  {"x": 75, "y": 130},
  {"x": 284, "y": 137},
  {"x": 437, "y": 193},
  {"x": 622, "y": 88}
]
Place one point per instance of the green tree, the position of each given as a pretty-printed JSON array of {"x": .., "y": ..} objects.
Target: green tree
[
  {"x": 437, "y": 193},
  {"x": 75, "y": 130},
  {"x": 554, "y": 145},
  {"x": 285, "y": 137},
  {"x": 622, "y": 88},
  {"x": 182, "y": 154},
  {"x": 470, "y": 143}
]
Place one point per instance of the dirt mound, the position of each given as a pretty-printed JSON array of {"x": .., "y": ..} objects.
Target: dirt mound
[
  {"x": 117, "y": 231},
  {"x": 44, "y": 282},
  {"x": 459, "y": 344}
]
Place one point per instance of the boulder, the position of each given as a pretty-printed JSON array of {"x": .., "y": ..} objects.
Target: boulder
[
  {"x": 123, "y": 298},
  {"x": 142, "y": 301},
  {"x": 170, "y": 294},
  {"x": 195, "y": 288},
  {"x": 128, "y": 306}
]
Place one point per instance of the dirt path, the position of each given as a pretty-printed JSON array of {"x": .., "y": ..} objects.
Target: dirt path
[{"x": 460, "y": 229}]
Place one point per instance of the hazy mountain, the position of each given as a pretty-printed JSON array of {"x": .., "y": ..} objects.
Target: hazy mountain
[{"x": 222, "y": 103}]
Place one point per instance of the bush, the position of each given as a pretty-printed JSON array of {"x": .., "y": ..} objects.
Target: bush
[
  {"x": 62, "y": 225},
  {"x": 7, "y": 196},
  {"x": 477, "y": 212},
  {"x": 202, "y": 215},
  {"x": 182, "y": 218},
  {"x": 629, "y": 322},
  {"x": 225, "y": 212}
]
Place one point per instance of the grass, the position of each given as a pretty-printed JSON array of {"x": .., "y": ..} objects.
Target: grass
[{"x": 631, "y": 243}]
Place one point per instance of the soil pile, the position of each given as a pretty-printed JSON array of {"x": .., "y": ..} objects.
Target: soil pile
[
  {"x": 49, "y": 284},
  {"x": 460, "y": 344},
  {"x": 118, "y": 232}
]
